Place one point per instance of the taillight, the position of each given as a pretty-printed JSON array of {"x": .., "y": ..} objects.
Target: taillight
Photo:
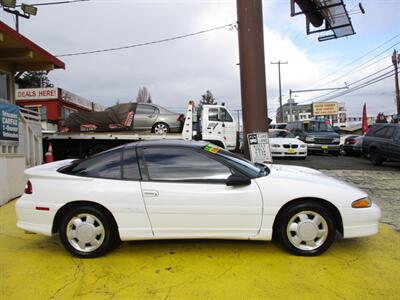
[
  {"x": 28, "y": 188},
  {"x": 181, "y": 118}
]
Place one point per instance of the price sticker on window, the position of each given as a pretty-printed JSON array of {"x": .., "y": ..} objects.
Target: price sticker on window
[{"x": 211, "y": 149}]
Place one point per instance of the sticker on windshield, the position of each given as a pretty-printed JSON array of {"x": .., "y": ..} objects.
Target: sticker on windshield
[{"x": 211, "y": 149}]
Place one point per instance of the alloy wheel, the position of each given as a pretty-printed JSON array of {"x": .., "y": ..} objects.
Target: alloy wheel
[
  {"x": 85, "y": 232},
  {"x": 307, "y": 230}
]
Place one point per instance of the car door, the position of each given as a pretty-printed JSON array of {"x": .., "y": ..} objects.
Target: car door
[
  {"x": 145, "y": 116},
  {"x": 394, "y": 144},
  {"x": 186, "y": 196},
  {"x": 229, "y": 127}
]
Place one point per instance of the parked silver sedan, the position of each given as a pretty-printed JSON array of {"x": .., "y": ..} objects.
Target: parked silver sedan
[{"x": 157, "y": 119}]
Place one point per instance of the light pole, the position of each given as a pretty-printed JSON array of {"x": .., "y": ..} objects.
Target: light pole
[
  {"x": 396, "y": 62},
  {"x": 10, "y": 7},
  {"x": 252, "y": 68},
  {"x": 279, "y": 63}
]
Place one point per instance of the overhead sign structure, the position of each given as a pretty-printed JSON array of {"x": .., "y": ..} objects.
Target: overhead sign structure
[
  {"x": 331, "y": 15},
  {"x": 259, "y": 147},
  {"x": 9, "y": 122},
  {"x": 37, "y": 94},
  {"x": 325, "y": 108}
]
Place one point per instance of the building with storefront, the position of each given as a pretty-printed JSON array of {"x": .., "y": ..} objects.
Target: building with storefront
[
  {"x": 333, "y": 111},
  {"x": 53, "y": 105},
  {"x": 20, "y": 129}
]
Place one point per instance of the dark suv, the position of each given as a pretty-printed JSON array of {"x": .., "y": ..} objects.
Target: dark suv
[
  {"x": 318, "y": 135},
  {"x": 382, "y": 142}
]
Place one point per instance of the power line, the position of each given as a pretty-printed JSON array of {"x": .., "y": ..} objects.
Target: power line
[
  {"x": 55, "y": 3},
  {"x": 230, "y": 25},
  {"x": 362, "y": 85},
  {"x": 359, "y": 58},
  {"x": 352, "y": 83}
]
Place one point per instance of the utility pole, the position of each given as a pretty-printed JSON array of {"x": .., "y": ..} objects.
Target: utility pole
[
  {"x": 279, "y": 63},
  {"x": 252, "y": 68},
  {"x": 396, "y": 61}
]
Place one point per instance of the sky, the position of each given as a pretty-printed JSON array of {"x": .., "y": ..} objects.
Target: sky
[{"x": 184, "y": 69}]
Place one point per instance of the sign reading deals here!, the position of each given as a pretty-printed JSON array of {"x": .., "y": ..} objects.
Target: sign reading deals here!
[
  {"x": 9, "y": 117},
  {"x": 36, "y": 94},
  {"x": 259, "y": 147}
]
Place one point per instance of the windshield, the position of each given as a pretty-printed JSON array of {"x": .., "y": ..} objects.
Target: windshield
[
  {"x": 317, "y": 127},
  {"x": 240, "y": 163},
  {"x": 280, "y": 134}
]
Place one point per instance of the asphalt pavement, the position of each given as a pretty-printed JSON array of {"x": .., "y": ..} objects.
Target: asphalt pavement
[{"x": 330, "y": 162}]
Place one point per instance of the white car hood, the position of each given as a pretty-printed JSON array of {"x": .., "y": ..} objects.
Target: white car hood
[
  {"x": 282, "y": 141},
  {"x": 293, "y": 182}
]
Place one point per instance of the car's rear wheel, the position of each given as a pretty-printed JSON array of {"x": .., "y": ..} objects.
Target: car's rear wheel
[
  {"x": 160, "y": 128},
  {"x": 306, "y": 229},
  {"x": 376, "y": 157},
  {"x": 87, "y": 232}
]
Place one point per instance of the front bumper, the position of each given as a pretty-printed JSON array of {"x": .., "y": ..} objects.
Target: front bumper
[
  {"x": 358, "y": 222},
  {"x": 323, "y": 147},
  {"x": 279, "y": 152}
]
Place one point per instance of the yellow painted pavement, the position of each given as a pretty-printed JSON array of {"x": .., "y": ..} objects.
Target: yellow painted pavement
[{"x": 37, "y": 267}]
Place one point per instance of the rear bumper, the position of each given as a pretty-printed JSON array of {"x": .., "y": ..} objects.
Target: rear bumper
[
  {"x": 361, "y": 222},
  {"x": 33, "y": 220}
]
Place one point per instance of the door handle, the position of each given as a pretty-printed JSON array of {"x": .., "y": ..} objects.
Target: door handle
[{"x": 150, "y": 194}]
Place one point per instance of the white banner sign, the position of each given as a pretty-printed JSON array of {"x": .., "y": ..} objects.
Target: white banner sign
[
  {"x": 259, "y": 147},
  {"x": 36, "y": 94}
]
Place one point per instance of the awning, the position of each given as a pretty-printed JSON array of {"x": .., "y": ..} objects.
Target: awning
[{"x": 23, "y": 54}]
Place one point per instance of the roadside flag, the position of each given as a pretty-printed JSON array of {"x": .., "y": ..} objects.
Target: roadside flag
[{"x": 364, "y": 120}]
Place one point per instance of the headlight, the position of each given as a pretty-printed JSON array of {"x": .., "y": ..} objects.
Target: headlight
[
  {"x": 336, "y": 140},
  {"x": 303, "y": 145},
  {"x": 310, "y": 139},
  {"x": 275, "y": 145},
  {"x": 360, "y": 203}
]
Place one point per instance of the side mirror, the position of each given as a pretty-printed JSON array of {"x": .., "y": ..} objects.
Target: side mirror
[{"x": 237, "y": 179}]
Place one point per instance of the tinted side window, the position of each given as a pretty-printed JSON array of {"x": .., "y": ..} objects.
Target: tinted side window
[
  {"x": 130, "y": 168},
  {"x": 389, "y": 132},
  {"x": 381, "y": 132},
  {"x": 213, "y": 114},
  {"x": 182, "y": 164},
  {"x": 104, "y": 165},
  {"x": 225, "y": 116},
  {"x": 145, "y": 109}
]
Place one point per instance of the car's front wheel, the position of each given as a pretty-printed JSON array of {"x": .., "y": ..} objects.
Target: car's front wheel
[
  {"x": 306, "y": 229},
  {"x": 376, "y": 157},
  {"x": 87, "y": 232}
]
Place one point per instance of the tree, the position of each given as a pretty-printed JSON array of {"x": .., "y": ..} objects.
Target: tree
[
  {"x": 34, "y": 80},
  {"x": 208, "y": 98},
  {"x": 143, "y": 96}
]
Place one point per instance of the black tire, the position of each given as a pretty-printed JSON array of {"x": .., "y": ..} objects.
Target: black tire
[
  {"x": 310, "y": 209},
  {"x": 162, "y": 124},
  {"x": 376, "y": 157},
  {"x": 335, "y": 153},
  {"x": 302, "y": 157},
  {"x": 107, "y": 239}
]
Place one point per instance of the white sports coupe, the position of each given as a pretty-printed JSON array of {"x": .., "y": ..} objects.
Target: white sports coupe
[
  {"x": 284, "y": 144},
  {"x": 185, "y": 190}
]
